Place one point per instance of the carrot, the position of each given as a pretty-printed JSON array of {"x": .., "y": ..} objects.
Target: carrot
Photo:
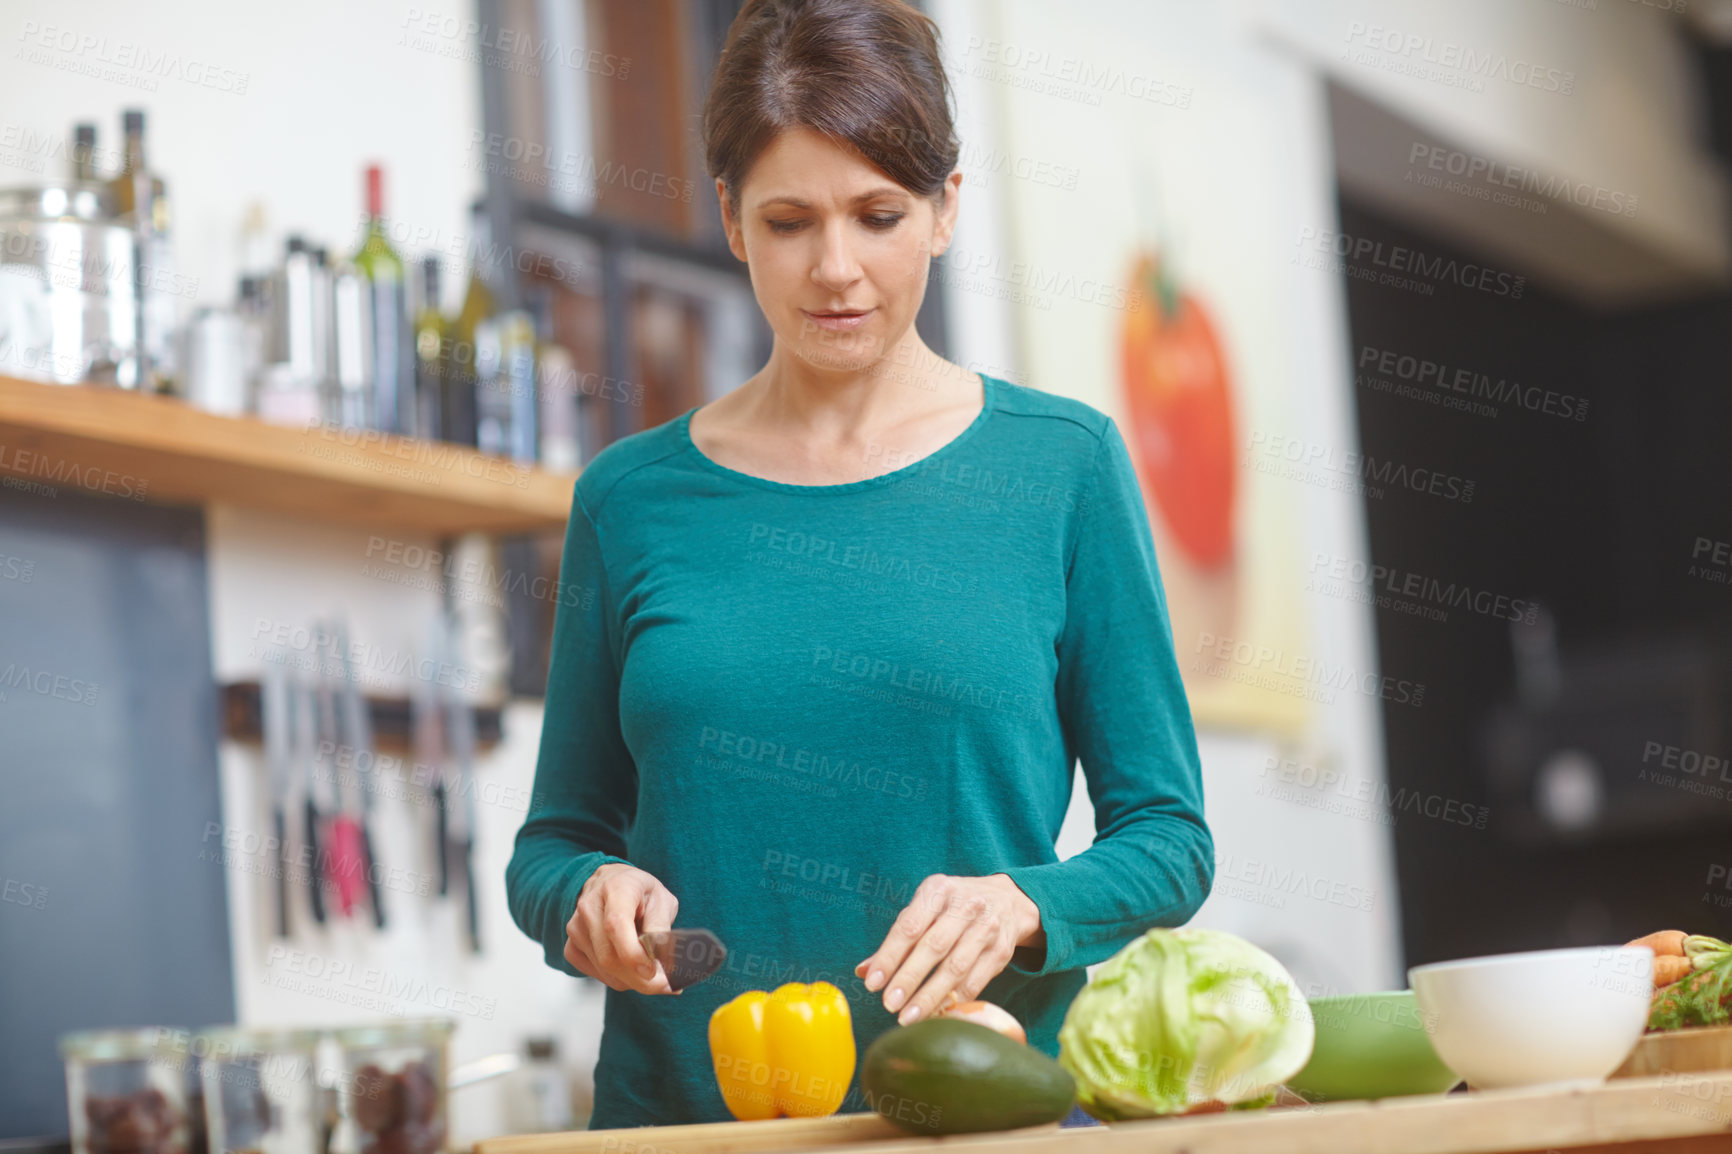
[
  {"x": 1665, "y": 943},
  {"x": 1668, "y": 969}
]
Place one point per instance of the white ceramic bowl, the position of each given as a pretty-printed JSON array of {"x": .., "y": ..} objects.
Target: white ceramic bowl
[{"x": 1533, "y": 1019}]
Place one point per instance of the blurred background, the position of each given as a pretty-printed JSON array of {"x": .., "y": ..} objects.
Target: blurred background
[{"x": 1415, "y": 315}]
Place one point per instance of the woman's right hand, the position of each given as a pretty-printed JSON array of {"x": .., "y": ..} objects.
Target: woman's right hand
[{"x": 616, "y": 904}]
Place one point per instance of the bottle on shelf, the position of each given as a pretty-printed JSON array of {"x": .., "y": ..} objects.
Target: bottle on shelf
[
  {"x": 141, "y": 199},
  {"x": 84, "y": 166},
  {"x": 492, "y": 400},
  {"x": 556, "y": 382},
  {"x": 432, "y": 352},
  {"x": 253, "y": 249},
  {"x": 350, "y": 386},
  {"x": 253, "y": 306},
  {"x": 517, "y": 402},
  {"x": 391, "y": 353},
  {"x": 462, "y": 380},
  {"x": 138, "y": 192},
  {"x": 302, "y": 305},
  {"x": 299, "y": 297}
]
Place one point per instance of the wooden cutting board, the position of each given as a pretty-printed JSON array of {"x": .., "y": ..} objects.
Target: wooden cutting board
[
  {"x": 726, "y": 1137},
  {"x": 1673, "y": 1113},
  {"x": 1680, "y": 1052}
]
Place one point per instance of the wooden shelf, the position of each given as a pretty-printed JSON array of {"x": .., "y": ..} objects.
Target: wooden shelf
[{"x": 81, "y": 438}]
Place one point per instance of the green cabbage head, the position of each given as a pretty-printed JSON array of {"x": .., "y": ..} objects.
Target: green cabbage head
[{"x": 1182, "y": 1017}]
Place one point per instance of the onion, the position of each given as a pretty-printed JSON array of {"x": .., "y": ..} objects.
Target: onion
[{"x": 988, "y": 1015}]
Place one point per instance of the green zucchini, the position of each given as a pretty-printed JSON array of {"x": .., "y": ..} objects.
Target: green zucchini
[{"x": 945, "y": 1076}]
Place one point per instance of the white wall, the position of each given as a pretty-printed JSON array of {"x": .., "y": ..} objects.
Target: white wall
[{"x": 304, "y": 95}]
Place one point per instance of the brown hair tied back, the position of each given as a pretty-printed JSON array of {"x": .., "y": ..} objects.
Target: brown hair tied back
[{"x": 865, "y": 73}]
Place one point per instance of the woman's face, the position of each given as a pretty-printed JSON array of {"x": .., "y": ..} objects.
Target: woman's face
[{"x": 823, "y": 231}]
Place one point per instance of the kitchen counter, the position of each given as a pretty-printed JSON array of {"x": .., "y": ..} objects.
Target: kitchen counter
[{"x": 1668, "y": 1114}]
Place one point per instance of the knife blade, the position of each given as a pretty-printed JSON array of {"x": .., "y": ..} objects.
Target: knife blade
[{"x": 687, "y": 956}]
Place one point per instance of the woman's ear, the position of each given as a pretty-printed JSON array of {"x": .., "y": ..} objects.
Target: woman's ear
[
  {"x": 730, "y": 226},
  {"x": 945, "y": 222}
]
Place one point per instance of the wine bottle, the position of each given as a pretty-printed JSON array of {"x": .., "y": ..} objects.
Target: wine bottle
[
  {"x": 253, "y": 249},
  {"x": 132, "y": 183},
  {"x": 492, "y": 401},
  {"x": 517, "y": 395},
  {"x": 351, "y": 390},
  {"x": 297, "y": 353},
  {"x": 556, "y": 381},
  {"x": 84, "y": 153},
  {"x": 432, "y": 351},
  {"x": 393, "y": 363},
  {"x": 462, "y": 378},
  {"x": 254, "y": 309},
  {"x": 141, "y": 200}
]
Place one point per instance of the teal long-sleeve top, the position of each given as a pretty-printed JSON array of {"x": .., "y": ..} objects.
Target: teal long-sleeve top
[{"x": 792, "y": 703}]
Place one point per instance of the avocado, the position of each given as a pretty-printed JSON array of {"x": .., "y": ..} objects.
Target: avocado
[{"x": 945, "y": 1076}]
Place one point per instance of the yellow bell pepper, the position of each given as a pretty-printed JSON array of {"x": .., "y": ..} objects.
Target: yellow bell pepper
[{"x": 784, "y": 1053}]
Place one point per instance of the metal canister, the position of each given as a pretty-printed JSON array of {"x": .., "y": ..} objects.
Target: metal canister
[
  {"x": 350, "y": 379},
  {"x": 301, "y": 297},
  {"x": 213, "y": 361},
  {"x": 68, "y": 291}
]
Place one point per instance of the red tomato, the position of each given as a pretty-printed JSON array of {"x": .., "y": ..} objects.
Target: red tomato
[{"x": 1181, "y": 411}]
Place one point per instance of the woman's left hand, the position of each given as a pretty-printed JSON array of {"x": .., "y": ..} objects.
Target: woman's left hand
[{"x": 967, "y": 928}]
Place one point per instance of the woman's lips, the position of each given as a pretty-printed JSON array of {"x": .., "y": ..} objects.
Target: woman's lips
[{"x": 835, "y": 323}]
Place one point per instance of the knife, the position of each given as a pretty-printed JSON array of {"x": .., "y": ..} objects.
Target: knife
[
  {"x": 306, "y": 731},
  {"x": 687, "y": 956},
  {"x": 359, "y": 734},
  {"x": 428, "y": 722},
  {"x": 342, "y": 831},
  {"x": 462, "y": 843},
  {"x": 274, "y": 700}
]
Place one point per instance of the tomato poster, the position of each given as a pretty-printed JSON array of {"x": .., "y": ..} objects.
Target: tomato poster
[{"x": 1190, "y": 354}]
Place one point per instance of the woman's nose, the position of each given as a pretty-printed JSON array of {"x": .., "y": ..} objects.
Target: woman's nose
[{"x": 837, "y": 267}]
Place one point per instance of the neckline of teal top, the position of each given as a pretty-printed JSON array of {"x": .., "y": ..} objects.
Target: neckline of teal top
[{"x": 910, "y": 469}]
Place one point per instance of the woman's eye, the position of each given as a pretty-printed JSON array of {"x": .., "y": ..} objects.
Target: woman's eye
[{"x": 880, "y": 221}]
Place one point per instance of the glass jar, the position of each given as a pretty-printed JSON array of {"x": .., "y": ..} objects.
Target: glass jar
[
  {"x": 127, "y": 1092},
  {"x": 394, "y": 1084},
  {"x": 261, "y": 1091}
]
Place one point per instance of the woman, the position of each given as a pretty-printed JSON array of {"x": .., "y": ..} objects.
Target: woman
[{"x": 845, "y": 632}]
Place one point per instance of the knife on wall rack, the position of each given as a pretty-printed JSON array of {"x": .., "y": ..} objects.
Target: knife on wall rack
[{"x": 358, "y": 733}]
